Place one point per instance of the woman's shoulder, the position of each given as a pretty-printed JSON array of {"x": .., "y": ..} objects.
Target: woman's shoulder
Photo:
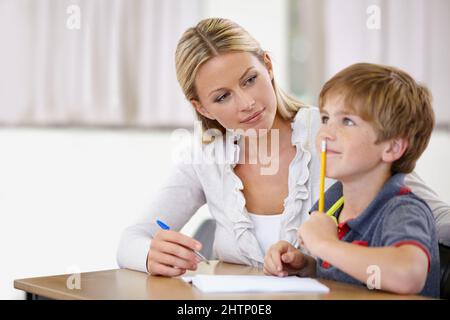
[{"x": 219, "y": 151}]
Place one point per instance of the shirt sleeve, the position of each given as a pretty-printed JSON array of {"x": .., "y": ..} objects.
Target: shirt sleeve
[
  {"x": 175, "y": 203},
  {"x": 408, "y": 222},
  {"x": 440, "y": 209}
]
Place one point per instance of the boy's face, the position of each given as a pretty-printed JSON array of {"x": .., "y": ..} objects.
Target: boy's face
[{"x": 351, "y": 149}]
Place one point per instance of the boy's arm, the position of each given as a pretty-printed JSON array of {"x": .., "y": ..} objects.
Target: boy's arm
[{"x": 402, "y": 269}]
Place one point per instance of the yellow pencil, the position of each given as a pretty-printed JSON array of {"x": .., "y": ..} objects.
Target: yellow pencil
[{"x": 322, "y": 175}]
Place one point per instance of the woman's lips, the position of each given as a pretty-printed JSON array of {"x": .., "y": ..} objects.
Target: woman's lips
[{"x": 254, "y": 117}]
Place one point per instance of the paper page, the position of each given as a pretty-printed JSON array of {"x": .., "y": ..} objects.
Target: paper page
[
  {"x": 240, "y": 283},
  {"x": 187, "y": 279}
]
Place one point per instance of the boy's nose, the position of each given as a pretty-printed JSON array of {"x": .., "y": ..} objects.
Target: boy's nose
[{"x": 326, "y": 133}]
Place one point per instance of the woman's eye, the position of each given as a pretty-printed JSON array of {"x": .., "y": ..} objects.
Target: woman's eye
[
  {"x": 222, "y": 97},
  {"x": 250, "y": 80},
  {"x": 324, "y": 119},
  {"x": 348, "y": 122}
]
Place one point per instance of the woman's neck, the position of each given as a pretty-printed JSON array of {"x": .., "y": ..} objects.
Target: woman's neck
[{"x": 271, "y": 142}]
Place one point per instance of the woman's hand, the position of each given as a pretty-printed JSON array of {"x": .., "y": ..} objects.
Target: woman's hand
[
  {"x": 284, "y": 259},
  {"x": 171, "y": 254}
]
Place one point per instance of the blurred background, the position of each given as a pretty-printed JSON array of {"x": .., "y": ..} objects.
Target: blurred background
[{"x": 89, "y": 101}]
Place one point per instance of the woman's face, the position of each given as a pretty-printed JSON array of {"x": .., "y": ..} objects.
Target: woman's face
[{"x": 236, "y": 90}]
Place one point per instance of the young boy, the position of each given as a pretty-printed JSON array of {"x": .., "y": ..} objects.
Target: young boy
[{"x": 376, "y": 121}]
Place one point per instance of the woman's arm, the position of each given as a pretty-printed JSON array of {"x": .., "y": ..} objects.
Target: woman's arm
[
  {"x": 175, "y": 203},
  {"x": 441, "y": 210}
]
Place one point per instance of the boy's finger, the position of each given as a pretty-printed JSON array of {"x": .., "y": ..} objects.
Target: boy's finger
[
  {"x": 287, "y": 257},
  {"x": 298, "y": 260},
  {"x": 276, "y": 258},
  {"x": 269, "y": 265}
]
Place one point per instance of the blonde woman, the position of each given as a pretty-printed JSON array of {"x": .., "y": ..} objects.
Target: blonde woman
[{"x": 256, "y": 200}]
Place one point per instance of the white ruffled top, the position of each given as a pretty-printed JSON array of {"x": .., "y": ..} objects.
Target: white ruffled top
[{"x": 266, "y": 229}]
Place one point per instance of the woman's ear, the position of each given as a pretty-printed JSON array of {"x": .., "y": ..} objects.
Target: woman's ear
[
  {"x": 268, "y": 64},
  {"x": 395, "y": 149},
  {"x": 200, "y": 109}
]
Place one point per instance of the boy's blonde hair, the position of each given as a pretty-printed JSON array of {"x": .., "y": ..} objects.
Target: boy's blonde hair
[
  {"x": 396, "y": 105},
  {"x": 213, "y": 37}
]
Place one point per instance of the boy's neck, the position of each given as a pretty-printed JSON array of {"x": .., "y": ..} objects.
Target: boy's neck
[{"x": 360, "y": 191}]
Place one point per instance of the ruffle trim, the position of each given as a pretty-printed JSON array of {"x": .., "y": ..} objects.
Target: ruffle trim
[
  {"x": 299, "y": 174},
  {"x": 248, "y": 245}
]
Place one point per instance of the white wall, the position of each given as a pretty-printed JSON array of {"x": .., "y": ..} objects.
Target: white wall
[
  {"x": 265, "y": 20},
  {"x": 433, "y": 166},
  {"x": 66, "y": 195}
]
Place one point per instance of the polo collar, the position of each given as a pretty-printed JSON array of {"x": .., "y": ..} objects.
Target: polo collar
[{"x": 394, "y": 186}]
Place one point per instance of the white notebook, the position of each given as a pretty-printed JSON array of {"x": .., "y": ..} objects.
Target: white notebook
[{"x": 229, "y": 283}]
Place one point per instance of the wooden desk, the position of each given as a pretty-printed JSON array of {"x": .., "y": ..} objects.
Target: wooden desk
[{"x": 127, "y": 284}]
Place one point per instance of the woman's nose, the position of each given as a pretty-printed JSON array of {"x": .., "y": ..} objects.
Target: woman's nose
[{"x": 246, "y": 101}]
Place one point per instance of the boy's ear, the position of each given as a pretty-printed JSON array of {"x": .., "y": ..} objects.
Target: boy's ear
[
  {"x": 268, "y": 64},
  {"x": 395, "y": 149},
  {"x": 198, "y": 106}
]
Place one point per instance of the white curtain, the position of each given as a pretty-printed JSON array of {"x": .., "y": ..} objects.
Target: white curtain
[
  {"x": 414, "y": 35},
  {"x": 117, "y": 69}
]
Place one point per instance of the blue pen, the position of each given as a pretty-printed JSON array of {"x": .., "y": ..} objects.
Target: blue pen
[{"x": 164, "y": 226}]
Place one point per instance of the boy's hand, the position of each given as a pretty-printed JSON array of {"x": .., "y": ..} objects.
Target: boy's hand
[
  {"x": 283, "y": 259},
  {"x": 317, "y": 231}
]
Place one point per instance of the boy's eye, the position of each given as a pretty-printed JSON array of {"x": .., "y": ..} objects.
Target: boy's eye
[
  {"x": 222, "y": 97},
  {"x": 324, "y": 119},
  {"x": 250, "y": 80},
  {"x": 348, "y": 122}
]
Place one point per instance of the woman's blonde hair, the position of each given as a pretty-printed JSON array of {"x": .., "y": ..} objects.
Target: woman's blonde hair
[{"x": 213, "y": 37}]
